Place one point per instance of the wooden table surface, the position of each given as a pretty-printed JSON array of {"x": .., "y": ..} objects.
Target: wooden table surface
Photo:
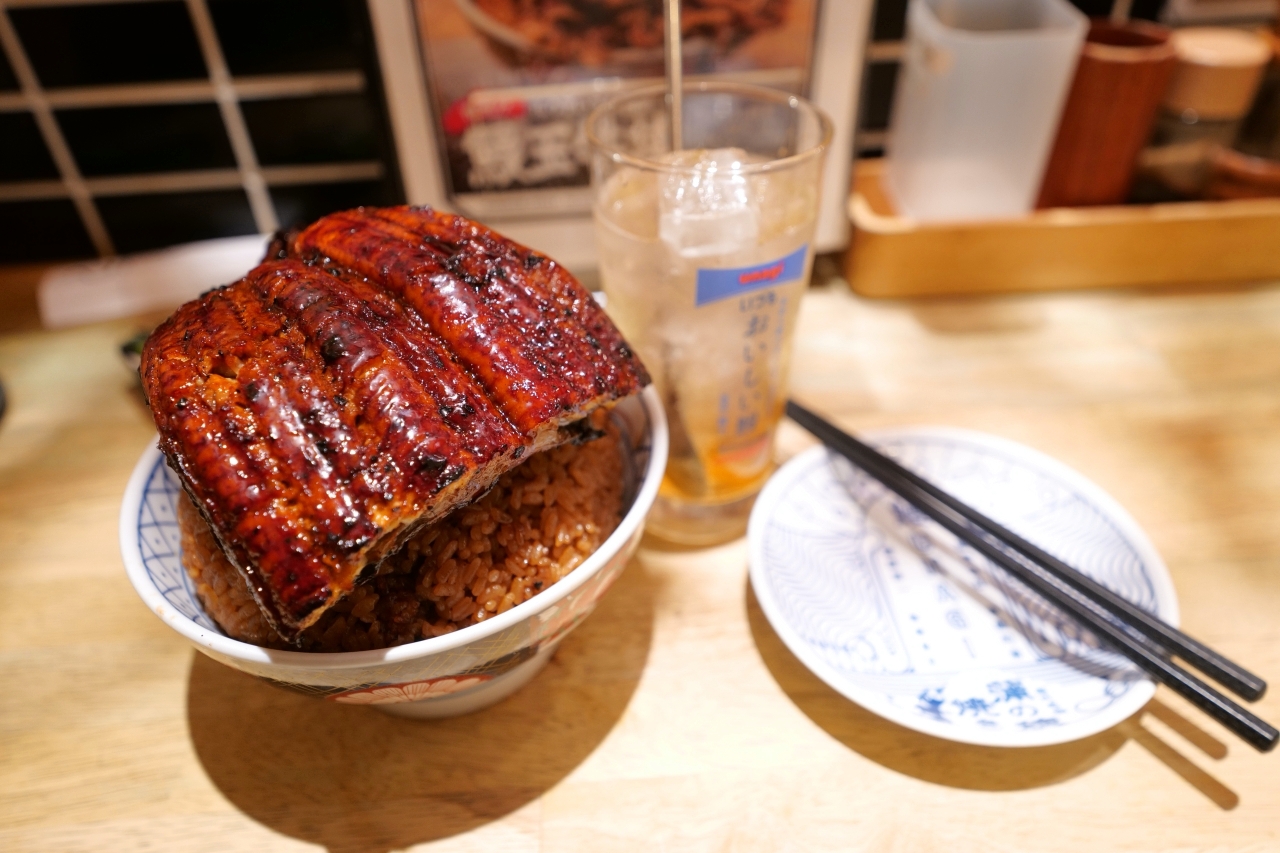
[{"x": 673, "y": 719}]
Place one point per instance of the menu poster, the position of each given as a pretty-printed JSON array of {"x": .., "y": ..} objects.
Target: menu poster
[{"x": 511, "y": 82}]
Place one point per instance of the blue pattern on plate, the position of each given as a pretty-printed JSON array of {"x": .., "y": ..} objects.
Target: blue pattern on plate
[
  {"x": 161, "y": 544},
  {"x": 920, "y": 626}
]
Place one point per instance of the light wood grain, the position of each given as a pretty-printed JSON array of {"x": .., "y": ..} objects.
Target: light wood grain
[{"x": 674, "y": 719}]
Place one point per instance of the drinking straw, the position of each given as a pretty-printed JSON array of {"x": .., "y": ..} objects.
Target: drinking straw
[{"x": 675, "y": 73}]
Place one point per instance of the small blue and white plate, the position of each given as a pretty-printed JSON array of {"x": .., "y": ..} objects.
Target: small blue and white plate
[{"x": 897, "y": 615}]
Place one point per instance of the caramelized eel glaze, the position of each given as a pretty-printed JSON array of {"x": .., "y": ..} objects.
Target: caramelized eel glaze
[{"x": 382, "y": 368}]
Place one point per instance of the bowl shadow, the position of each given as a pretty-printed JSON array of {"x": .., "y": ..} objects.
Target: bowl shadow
[
  {"x": 355, "y": 780},
  {"x": 912, "y": 753}
]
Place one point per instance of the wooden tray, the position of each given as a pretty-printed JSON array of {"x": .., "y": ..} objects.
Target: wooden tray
[{"x": 1062, "y": 248}]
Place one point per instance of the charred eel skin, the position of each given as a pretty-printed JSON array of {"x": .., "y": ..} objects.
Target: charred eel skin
[{"x": 379, "y": 369}]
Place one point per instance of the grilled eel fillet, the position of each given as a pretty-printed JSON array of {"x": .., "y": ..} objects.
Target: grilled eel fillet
[{"x": 381, "y": 368}]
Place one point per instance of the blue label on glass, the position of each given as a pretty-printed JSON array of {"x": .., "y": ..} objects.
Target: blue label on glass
[{"x": 714, "y": 285}]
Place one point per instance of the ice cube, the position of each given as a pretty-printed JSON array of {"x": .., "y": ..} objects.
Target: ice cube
[{"x": 708, "y": 207}]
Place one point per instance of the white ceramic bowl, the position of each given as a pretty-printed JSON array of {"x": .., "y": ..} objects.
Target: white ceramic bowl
[{"x": 454, "y": 674}]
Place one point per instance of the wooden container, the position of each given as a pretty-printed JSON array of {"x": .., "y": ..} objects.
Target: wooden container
[
  {"x": 1234, "y": 175},
  {"x": 1059, "y": 248},
  {"x": 1218, "y": 72},
  {"x": 1122, "y": 75}
]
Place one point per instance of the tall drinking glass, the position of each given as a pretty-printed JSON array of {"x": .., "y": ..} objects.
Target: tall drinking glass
[{"x": 704, "y": 255}]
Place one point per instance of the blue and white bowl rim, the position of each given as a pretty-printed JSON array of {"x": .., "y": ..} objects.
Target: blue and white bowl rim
[{"x": 219, "y": 643}]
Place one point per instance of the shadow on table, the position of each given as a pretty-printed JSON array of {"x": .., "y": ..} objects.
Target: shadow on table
[
  {"x": 982, "y": 768},
  {"x": 355, "y": 780},
  {"x": 978, "y": 315},
  {"x": 651, "y": 542}
]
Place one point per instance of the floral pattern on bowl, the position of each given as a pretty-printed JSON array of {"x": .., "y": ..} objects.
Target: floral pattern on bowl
[{"x": 414, "y": 691}]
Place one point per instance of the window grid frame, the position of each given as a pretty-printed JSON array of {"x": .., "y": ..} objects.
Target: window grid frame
[{"x": 218, "y": 87}]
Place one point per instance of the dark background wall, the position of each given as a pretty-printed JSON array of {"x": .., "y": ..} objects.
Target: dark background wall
[
  {"x": 117, "y": 139},
  {"x": 123, "y": 135}
]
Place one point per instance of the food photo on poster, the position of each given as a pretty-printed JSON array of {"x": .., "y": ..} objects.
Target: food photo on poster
[{"x": 512, "y": 83}]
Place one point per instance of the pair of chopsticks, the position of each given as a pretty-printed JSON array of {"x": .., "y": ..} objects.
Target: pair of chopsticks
[{"x": 1141, "y": 637}]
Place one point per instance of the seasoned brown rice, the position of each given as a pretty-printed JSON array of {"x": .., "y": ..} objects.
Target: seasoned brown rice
[{"x": 539, "y": 522}]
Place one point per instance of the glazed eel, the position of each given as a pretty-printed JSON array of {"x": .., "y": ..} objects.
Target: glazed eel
[{"x": 382, "y": 367}]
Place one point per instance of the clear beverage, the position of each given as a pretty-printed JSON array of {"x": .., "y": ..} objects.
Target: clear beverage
[{"x": 704, "y": 255}]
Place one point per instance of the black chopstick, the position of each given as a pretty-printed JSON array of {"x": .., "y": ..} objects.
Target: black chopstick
[
  {"x": 1108, "y": 624},
  {"x": 1226, "y": 672}
]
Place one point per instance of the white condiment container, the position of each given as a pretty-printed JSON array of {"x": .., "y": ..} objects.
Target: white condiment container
[{"x": 980, "y": 93}]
